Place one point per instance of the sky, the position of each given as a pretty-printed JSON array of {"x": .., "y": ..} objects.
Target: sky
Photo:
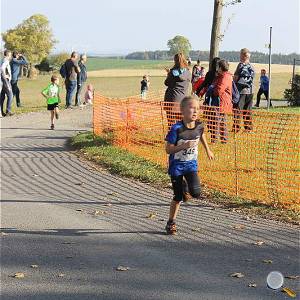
[{"x": 123, "y": 26}]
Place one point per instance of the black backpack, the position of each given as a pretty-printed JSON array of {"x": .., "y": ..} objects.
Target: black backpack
[{"x": 63, "y": 71}]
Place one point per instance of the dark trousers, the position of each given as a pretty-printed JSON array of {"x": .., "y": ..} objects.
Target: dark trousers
[
  {"x": 243, "y": 109},
  {"x": 6, "y": 92},
  {"x": 78, "y": 93},
  {"x": 260, "y": 92},
  {"x": 16, "y": 92},
  {"x": 219, "y": 126},
  {"x": 70, "y": 89},
  {"x": 188, "y": 182}
]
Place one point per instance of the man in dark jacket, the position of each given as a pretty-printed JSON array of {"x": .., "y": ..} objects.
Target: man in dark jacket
[
  {"x": 17, "y": 61},
  {"x": 72, "y": 71},
  {"x": 81, "y": 78}
]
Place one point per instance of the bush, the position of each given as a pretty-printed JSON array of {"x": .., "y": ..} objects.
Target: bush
[
  {"x": 57, "y": 60},
  {"x": 292, "y": 95}
]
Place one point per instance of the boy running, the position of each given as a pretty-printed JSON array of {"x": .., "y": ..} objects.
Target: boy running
[
  {"x": 51, "y": 93},
  {"x": 182, "y": 147}
]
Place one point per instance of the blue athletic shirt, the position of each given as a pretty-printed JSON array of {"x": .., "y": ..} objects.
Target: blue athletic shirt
[{"x": 184, "y": 161}]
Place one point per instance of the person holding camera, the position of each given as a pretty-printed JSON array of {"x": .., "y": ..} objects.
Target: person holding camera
[{"x": 17, "y": 61}]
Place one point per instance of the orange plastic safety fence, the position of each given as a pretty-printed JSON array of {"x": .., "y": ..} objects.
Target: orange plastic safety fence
[{"x": 256, "y": 153}]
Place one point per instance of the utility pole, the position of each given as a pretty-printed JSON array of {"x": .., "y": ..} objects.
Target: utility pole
[
  {"x": 216, "y": 30},
  {"x": 270, "y": 62}
]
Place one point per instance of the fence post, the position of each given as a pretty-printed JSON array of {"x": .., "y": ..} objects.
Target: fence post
[
  {"x": 162, "y": 123},
  {"x": 236, "y": 165},
  {"x": 127, "y": 121}
]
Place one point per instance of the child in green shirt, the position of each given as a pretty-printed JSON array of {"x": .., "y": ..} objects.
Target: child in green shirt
[{"x": 51, "y": 93}]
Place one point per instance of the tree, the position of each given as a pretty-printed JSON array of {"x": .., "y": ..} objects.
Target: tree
[
  {"x": 179, "y": 44},
  {"x": 216, "y": 35},
  {"x": 33, "y": 38},
  {"x": 292, "y": 95},
  {"x": 55, "y": 61}
]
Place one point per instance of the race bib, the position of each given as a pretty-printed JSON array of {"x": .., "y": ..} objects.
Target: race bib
[{"x": 187, "y": 154}]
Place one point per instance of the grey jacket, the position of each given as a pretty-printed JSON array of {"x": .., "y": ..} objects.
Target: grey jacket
[{"x": 177, "y": 86}]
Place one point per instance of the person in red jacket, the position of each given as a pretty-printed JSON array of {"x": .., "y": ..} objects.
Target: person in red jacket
[{"x": 222, "y": 93}]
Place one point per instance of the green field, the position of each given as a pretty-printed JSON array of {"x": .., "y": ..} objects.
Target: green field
[
  {"x": 126, "y": 85},
  {"x": 96, "y": 63}
]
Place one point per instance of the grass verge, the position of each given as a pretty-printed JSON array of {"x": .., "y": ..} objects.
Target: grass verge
[{"x": 120, "y": 161}]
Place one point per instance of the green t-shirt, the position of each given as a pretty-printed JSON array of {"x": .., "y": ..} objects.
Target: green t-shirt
[{"x": 52, "y": 92}]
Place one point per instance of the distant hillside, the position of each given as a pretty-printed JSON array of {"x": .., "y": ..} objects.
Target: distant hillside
[{"x": 233, "y": 56}]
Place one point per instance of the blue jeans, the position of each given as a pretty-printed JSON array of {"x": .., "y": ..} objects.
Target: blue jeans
[
  {"x": 6, "y": 91},
  {"x": 70, "y": 88},
  {"x": 78, "y": 93}
]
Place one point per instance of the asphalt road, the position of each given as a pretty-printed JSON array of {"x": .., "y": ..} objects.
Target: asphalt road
[{"x": 48, "y": 203}]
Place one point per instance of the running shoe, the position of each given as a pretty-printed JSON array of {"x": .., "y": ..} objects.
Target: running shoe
[
  {"x": 171, "y": 229},
  {"x": 52, "y": 127}
]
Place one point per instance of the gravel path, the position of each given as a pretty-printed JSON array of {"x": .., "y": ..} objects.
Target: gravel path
[{"x": 48, "y": 204}]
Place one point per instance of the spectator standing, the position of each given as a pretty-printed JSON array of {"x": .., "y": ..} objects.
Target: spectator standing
[
  {"x": 196, "y": 73},
  {"x": 177, "y": 82},
  {"x": 145, "y": 83},
  {"x": 81, "y": 78},
  {"x": 17, "y": 61},
  {"x": 89, "y": 95},
  {"x": 209, "y": 77},
  {"x": 71, "y": 71},
  {"x": 243, "y": 77},
  {"x": 264, "y": 87},
  {"x": 222, "y": 94},
  {"x": 3, "y": 83},
  {"x": 6, "y": 90}
]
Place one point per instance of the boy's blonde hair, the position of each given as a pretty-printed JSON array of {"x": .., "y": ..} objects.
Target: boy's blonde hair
[
  {"x": 186, "y": 100},
  {"x": 53, "y": 78}
]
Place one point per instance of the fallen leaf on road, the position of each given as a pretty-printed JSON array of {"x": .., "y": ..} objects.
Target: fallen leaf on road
[
  {"x": 237, "y": 275},
  {"x": 35, "y": 175},
  {"x": 112, "y": 194},
  {"x": 292, "y": 277},
  {"x": 79, "y": 209},
  {"x": 34, "y": 266},
  {"x": 99, "y": 212},
  {"x": 69, "y": 256},
  {"x": 289, "y": 292},
  {"x": 151, "y": 216},
  {"x": 61, "y": 275},
  {"x": 258, "y": 243},
  {"x": 246, "y": 218},
  {"x": 252, "y": 284},
  {"x": 239, "y": 226},
  {"x": 108, "y": 204},
  {"x": 79, "y": 183},
  {"x": 19, "y": 275},
  {"x": 3, "y": 234},
  {"x": 122, "y": 268},
  {"x": 68, "y": 243},
  {"x": 267, "y": 261},
  {"x": 198, "y": 229}
]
